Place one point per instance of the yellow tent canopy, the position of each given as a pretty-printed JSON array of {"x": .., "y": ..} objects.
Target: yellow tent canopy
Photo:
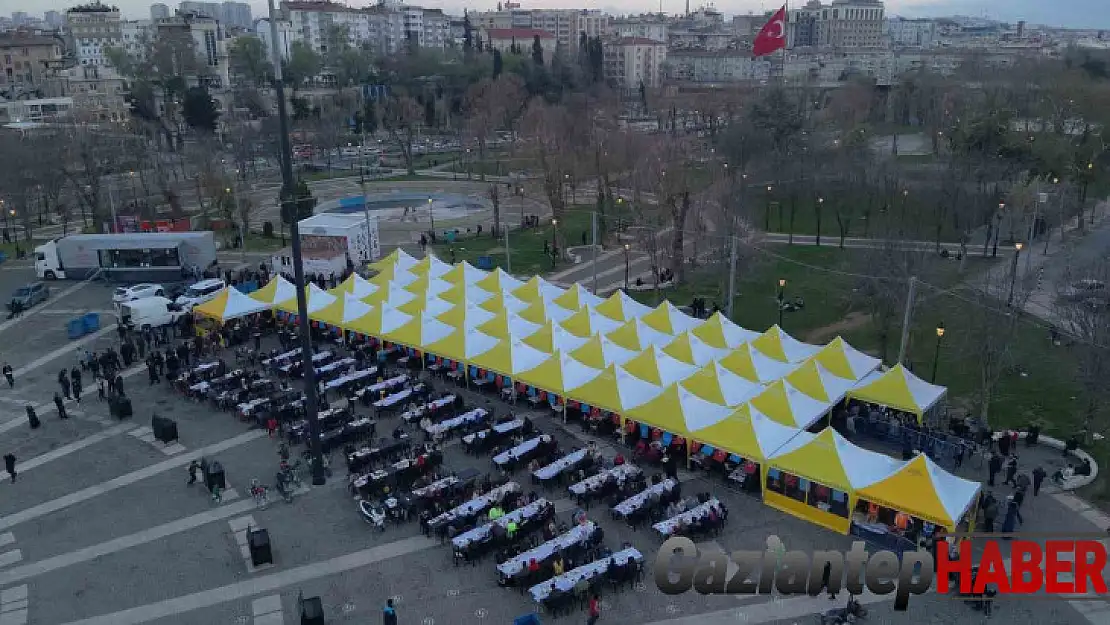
[
  {"x": 537, "y": 289},
  {"x": 381, "y": 320},
  {"x": 830, "y": 459},
  {"x": 786, "y": 404},
  {"x": 588, "y": 322},
  {"x": 509, "y": 357},
  {"x": 317, "y": 299},
  {"x": 749, "y": 434},
  {"x": 845, "y": 361},
  {"x": 678, "y": 411},
  {"x": 716, "y": 384},
  {"x": 615, "y": 390},
  {"x": 505, "y": 324},
  {"x": 420, "y": 332},
  {"x": 497, "y": 281},
  {"x": 390, "y": 293},
  {"x": 899, "y": 389},
  {"x": 345, "y": 309},
  {"x": 551, "y": 338},
  {"x": 620, "y": 307},
  {"x": 576, "y": 297},
  {"x": 354, "y": 285},
  {"x": 463, "y": 273},
  {"x": 277, "y": 290},
  {"x": 394, "y": 274},
  {"x": 462, "y": 346},
  {"x": 814, "y": 380},
  {"x": 782, "y": 347},
  {"x": 465, "y": 316},
  {"x": 925, "y": 491},
  {"x": 719, "y": 332},
  {"x": 691, "y": 350},
  {"x": 638, "y": 336},
  {"x": 502, "y": 301},
  {"x": 541, "y": 311},
  {"x": 230, "y": 304},
  {"x": 424, "y": 285},
  {"x": 396, "y": 258},
  {"x": 465, "y": 293},
  {"x": 754, "y": 366},
  {"x": 599, "y": 352},
  {"x": 558, "y": 374},
  {"x": 668, "y": 319},
  {"x": 429, "y": 304},
  {"x": 430, "y": 267},
  {"x": 652, "y": 365}
]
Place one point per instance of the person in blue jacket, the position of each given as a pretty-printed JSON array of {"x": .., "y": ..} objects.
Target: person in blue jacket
[{"x": 389, "y": 615}]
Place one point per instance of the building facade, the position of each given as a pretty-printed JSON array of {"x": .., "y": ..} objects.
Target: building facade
[
  {"x": 566, "y": 25},
  {"x": 503, "y": 39},
  {"x": 159, "y": 11},
  {"x": 206, "y": 37},
  {"x": 845, "y": 24},
  {"x": 703, "y": 66},
  {"x": 27, "y": 60},
  {"x": 285, "y": 36},
  {"x": 912, "y": 33},
  {"x": 644, "y": 27},
  {"x": 632, "y": 61},
  {"x": 92, "y": 29}
]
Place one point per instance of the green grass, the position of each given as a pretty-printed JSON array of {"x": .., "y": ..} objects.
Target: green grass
[
  {"x": 527, "y": 247},
  {"x": 258, "y": 243},
  {"x": 492, "y": 166},
  {"x": 915, "y": 219}
]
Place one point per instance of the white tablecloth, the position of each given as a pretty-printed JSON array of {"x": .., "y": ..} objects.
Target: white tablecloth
[
  {"x": 518, "y": 451},
  {"x": 316, "y": 358},
  {"x": 635, "y": 502},
  {"x": 578, "y": 535},
  {"x": 500, "y": 428},
  {"x": 621, "y": 473},
  {"x": 350, "y": 377},
  {"x": 480, "y": 533},
  {"x": 445, "y": 426},
  {"x": 393, "y": 399},
  {"x": 335, "y": 366},
  {"x": 249, "y": 407},
  {"x": 418, "y": 413},
  {"x": 281, "y": 357},
  {"x": 436, "y": 486},
  {"x": 560, "y": 465},
  {"x": 566, "y": 581},
  {"x": 384, "y": 384},
  {"x": 476, "y": 504},
  {"x": 666, "y": 527}
]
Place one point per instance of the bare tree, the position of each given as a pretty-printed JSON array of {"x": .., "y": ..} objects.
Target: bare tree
[
  {"x": 401, "y": 117},
  {"x": 1085, "y": 321}
]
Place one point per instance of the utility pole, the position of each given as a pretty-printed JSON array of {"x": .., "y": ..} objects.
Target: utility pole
[
  {"x": 508, "y": 252},
  {"x": 593, "y": 226},
  {"x": 289, "y": 207},
  {"x": 112, "y": 205},
  {"x": 731, "y": 276},
  {"x": 906, "y": 319}
]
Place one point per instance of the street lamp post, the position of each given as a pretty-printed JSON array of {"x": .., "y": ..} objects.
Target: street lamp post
[
  {"x": 767, "y": 210},
  {"x": 781, "y": 298},
  {"x": 936, "y": 355},
  {"x": 997, "y": 227},
  {"x": 627, "y": 247},
  {"x": 1013, "y": 274},
  {"x": 432, "y": 216},
  {"x": 820, "y": 205},
  {"x": 554, "y": 242},
  {"x": 1060, "y": 203}
]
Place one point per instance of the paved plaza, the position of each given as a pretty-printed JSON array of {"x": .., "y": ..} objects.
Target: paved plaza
[{"x": 101, "y": 529}]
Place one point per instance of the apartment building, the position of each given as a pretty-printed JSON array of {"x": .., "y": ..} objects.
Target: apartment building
[
  {"x": 285, "y": 36},
  {"x": 632, "y": 61},
  {"x": 28, "y": 60},
  {"x": 704, "y": 66},
  {"x": 385, "y": 28},
  {"x": 642, "y": 27},
  {"x": 93, "y": 28},
  {"x": 503, "y": 39},
  {"x": 917, "y": 33},
  {"x": 847, "y": 24},
  {"x": 566, "y": 25},
  {"x": 207, "y": 38},
  {"x": 159, "y": 11}
]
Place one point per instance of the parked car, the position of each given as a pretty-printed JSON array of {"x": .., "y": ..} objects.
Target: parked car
[
  {"x": 200, "y": 292},
  {"x": 137, "y": 291},
  {"x": 29, "y": 295}
]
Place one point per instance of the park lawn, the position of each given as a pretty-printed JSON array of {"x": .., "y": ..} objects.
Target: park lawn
[
  {"x": 919, "y": 223},
  {"x": 492, "y": 166},
  {"x": 527, "y": 247}
]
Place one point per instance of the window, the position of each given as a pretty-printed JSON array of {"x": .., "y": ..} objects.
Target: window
[{"x": 139, "y": 258}]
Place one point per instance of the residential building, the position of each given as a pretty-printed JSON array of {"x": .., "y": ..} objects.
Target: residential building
[
  {"x": 93, "y": 28},
  {"x": 704, "y": 66},
  {"x": 134, "y": 36},
  {"x": 53, "y": 19},
  {"x": 413, "y": 24},
  {"x": 45, "y": 110},
  {"x": 642, "y": 27},
  {"x": 159, "y": 11},
  {"x": 206, "y": 9},
  {"x": 20, "y": 18},
  {"x": 503, "y": 38},
  {"x": 437, "y": 29},
  {"x": 285, "y": 36},
  {"x": 918, "y": 33},
  {"x": 27, "y": 61},
  {"x": 207, "y": 39},
  {"x": 746, "y": 26},
  {"x": 566, "y": 25},
  {"x": 236, "y": 15},
  {"x": 632, "y": 61},
  {"x": 845, "y": 24},
  {"x": 98, "y": 93}
]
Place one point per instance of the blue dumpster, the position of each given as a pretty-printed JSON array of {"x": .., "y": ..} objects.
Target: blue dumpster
[
  {"x": 76, "y": 328},
  {"x": 485, "y": 263},
  {"x": 247, "y": 287},
  {"x": 91, "y": 321}
]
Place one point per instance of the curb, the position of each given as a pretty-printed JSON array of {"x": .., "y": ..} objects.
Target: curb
[{"x": 1078, "y": 481}]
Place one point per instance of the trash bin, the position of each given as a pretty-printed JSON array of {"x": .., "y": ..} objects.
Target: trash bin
[
  {"x": 259, "y": 542},
  {"x": 119, "y": 407},
  {"x": 312, "y": 611},
  {"x": 165, "y": 430},
  {"x": 91, "y": 322},
  {"x": 76, "y": 328},
  {"x": 214, "y": 476}
]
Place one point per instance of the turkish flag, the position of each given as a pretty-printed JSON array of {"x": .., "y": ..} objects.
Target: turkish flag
[{"x": 772, "y": 36}]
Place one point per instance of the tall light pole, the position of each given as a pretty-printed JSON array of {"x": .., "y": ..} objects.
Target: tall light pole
[
  {"x": 627, "y": 247},
  {"x": 1013, "y": 273},
  {"x": 554, "y": 242},
  {"x": 432, "y": 215},
  {"x": 997, "y": 227},
  {"x": 936, "y": 355},
  {"x": 820, "y": 205},
  {"x": 767, "y": 210},
  {"x": 289, "y": 210},
  {"x": 781, "y": 298}
]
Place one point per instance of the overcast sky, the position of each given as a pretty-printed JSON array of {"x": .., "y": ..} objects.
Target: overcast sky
[{"x": 1071, "y": 13}]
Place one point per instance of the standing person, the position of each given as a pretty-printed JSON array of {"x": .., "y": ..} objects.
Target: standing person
[
  {"x": 1011, "y": 471},
  {"x": 1013, "y": 516},
  {"x": 75, "y": 377},
  {"x": 9, "y": 465},
  {"x": 119, "y": 385},
  {"x": 77, "y": 389},
  {"x": 101, "y": 389},
  {"x": 994, "y": 466},
  {"x": 151, "y": 371},
  {"x": 63, "y": 381},
  {"x": 595, "y": 609},
  {"x": 389, "y": 614},
  {"x": 61, "y": 406},
  {"x": 271, "y": 426},
  {"x": 193, "y": 468},
  {"x": 9, "y": 375},
  {"x": 1038, "y": 479},
  {"x": 32, "y": 418},
  {"x": 826, "y": 577}
]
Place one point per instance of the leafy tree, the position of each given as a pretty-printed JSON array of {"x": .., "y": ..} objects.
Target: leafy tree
[
  {"x": 368, "y": 117},
  {"x": 537, "y": 51},
  {"x": 249, "y": 62},
  {"x": 429, "y": 112},
  {"x": 200, "y": 110},
  {"x": 498, "y": 64},
  {"x": 298, "y": 204},
  {"x": 303, "y": 65}
]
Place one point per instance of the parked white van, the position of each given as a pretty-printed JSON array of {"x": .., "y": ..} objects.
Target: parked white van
[
  {"x": 149, "y": 312},
  {"x": 200, "y": 293}
]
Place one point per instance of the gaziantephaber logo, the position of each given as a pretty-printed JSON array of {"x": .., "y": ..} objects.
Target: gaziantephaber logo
[{"x": 1060, "y": 566}]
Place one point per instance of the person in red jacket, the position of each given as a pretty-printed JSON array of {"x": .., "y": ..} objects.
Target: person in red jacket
[{"x": 595, "y": 610}]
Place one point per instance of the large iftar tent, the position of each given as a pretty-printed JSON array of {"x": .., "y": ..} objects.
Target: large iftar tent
[
  {"x": 230, "y": 304},
  {"x": 715, "y": 383}
]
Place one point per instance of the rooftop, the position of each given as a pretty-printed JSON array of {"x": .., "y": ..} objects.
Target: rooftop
[
  {"x": 518, "y": 33},
  {"x": 94, "y": 7}
]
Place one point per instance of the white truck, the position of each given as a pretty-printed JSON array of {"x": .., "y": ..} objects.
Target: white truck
[
  {"x": 158, "y": 257},
  {"x": 329, "y": 241}
]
